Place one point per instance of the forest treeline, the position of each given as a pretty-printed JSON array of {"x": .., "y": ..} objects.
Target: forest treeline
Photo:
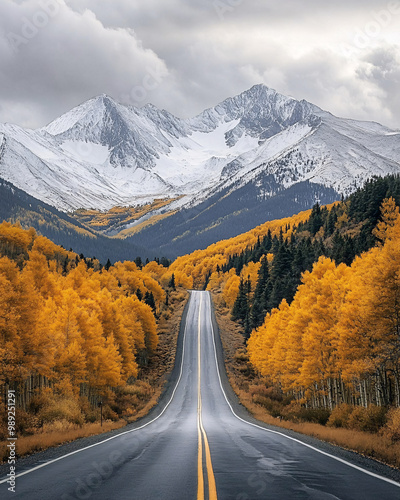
[
  {"x": 71, "y": 329},
  {"x": 318, "y": 295},
  {"x": 339, "y": 339}
]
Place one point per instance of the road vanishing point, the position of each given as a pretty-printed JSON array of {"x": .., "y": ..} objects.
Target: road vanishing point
[{"x": 199, "y": 443}]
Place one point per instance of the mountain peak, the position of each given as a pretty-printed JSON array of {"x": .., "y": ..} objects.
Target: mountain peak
[
  {"x": 105, "y": 99},
  {"x": 84, "y": 115},
  {"x": 261, "y": 113},
  {"x": 148, "y": 152}
]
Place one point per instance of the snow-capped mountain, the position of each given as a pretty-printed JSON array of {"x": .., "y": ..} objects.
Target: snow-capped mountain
[{"x": 102, "y": 153}]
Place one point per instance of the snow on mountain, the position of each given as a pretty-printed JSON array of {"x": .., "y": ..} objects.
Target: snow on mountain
[{"x": 102, "y": 153}]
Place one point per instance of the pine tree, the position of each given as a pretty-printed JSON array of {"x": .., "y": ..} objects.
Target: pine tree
[
  {"x": 149, "y": 300},
  {"x": 171, "y": 283},
  {"x": 259, "y": 306},
  {"x": 241, "y": 305}
]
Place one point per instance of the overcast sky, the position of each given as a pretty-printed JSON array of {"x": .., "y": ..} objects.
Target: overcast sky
[{"x": 187, "y": 55}]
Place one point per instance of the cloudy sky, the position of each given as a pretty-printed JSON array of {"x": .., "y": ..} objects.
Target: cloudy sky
[{"x": 186, "y": 55}]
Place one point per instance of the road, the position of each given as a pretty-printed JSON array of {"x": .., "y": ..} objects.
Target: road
[{"x": 199, "y": 444}]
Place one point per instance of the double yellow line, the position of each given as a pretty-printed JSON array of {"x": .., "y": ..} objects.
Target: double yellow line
[{"x": 202, "y": 436}]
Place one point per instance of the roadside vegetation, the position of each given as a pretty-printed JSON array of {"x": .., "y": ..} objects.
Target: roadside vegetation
[
  {"x": 78, "y": 339},
  {"x": 372, "y": 431},
  {"x": 308, "y": 308},
  {"x": 316, "y": 301}
]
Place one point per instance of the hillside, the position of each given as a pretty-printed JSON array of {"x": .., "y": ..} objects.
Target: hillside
[
  {"x": 74, "y": 333},
  {"x": 253, "y": 157},
  {"x": 308, "y": 309},
  {"x": 18, "y": 206}
]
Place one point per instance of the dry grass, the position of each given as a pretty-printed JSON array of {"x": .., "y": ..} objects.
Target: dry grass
[
  {"x": 125, "y": 233},
  {"x": 98, "y": 220},
  {"x": 246, "y": 383},
  {"x": 56, "y": 434},
  {"x": 163, "y": 361},
  {"x": 168, "y": 331}
]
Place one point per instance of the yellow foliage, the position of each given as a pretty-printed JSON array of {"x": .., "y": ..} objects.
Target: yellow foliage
[
  {"x": 231, "y": 289},
  {"x": 201, "y": 263},
  {"x": 343, "y": 323},
  {"x": 71, "y": 323},
  {"x": 389, "y": 216}
]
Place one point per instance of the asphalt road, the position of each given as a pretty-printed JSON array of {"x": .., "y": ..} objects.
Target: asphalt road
[{"x": 199, "y": 443}]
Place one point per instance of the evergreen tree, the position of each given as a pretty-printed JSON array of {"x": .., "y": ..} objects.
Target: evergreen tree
[
  {"x": 171, "y": 283},
  {"x": 260, "y": 305},
  {"x": 241, "y": 305},
  {"x": 315, "y": 222},
  {"x": 149, "y": 300},
  {"x": 164, "y": 262}
]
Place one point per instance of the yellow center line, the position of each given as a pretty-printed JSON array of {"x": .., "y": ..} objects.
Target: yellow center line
[
  {"x": 202, "y": 435},
  {"x": 200, "y": 482},
  {"x": 212, "y": 489}
]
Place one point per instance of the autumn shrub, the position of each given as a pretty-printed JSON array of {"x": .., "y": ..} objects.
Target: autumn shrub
[
  {"x": 91, "y": 414},
  {"x": 291, "y": 411},
  {"x": 140, "y": 388},
  {"x": 179, "y": 297},
  {"x": 274, "y": 408},
  {"x": 110, "y": 413},
  {"x": 296, "y": 412},
  {"x": 369, "y": 419},
  {"x": 39, "y": 400},
  {"x": 131, "y": 397},
  {"x": 391, "y": 429},
  {"x": 270, "y": 398},
  {"x": 62, "y": 408},
  {"x": 241, "y": 356},
  {"x": 315, "y": 415},
  {"x": 340, "y": 415},
  {"x": 26, "y": 423}
]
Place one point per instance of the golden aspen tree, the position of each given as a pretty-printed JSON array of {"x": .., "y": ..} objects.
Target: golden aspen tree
[
  {"x": 71, "y": 363},
  {"x": 127, "y": 306},
  {"x": 324, "y": 291},
  {"x": 113, "y": 324},
  {"x": 9, "y": 338},
  {"x": 38, "y": 268},
  {"x": 110, "y": 366},
  {"x": 250, "y": 271},
  {"x": 149, "y": 325},
  {"x": 389, "y": 216},
  {"x": 231, "y": 289},
  {"x": 264, "y": 346}
]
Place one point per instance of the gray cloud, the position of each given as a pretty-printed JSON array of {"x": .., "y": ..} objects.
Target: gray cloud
[{"x": 184, "y": 56}]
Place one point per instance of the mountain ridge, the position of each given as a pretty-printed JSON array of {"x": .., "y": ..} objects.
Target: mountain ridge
[
  {"x": 124, "y": 155},
  {"x": 258, "y": 155}
]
